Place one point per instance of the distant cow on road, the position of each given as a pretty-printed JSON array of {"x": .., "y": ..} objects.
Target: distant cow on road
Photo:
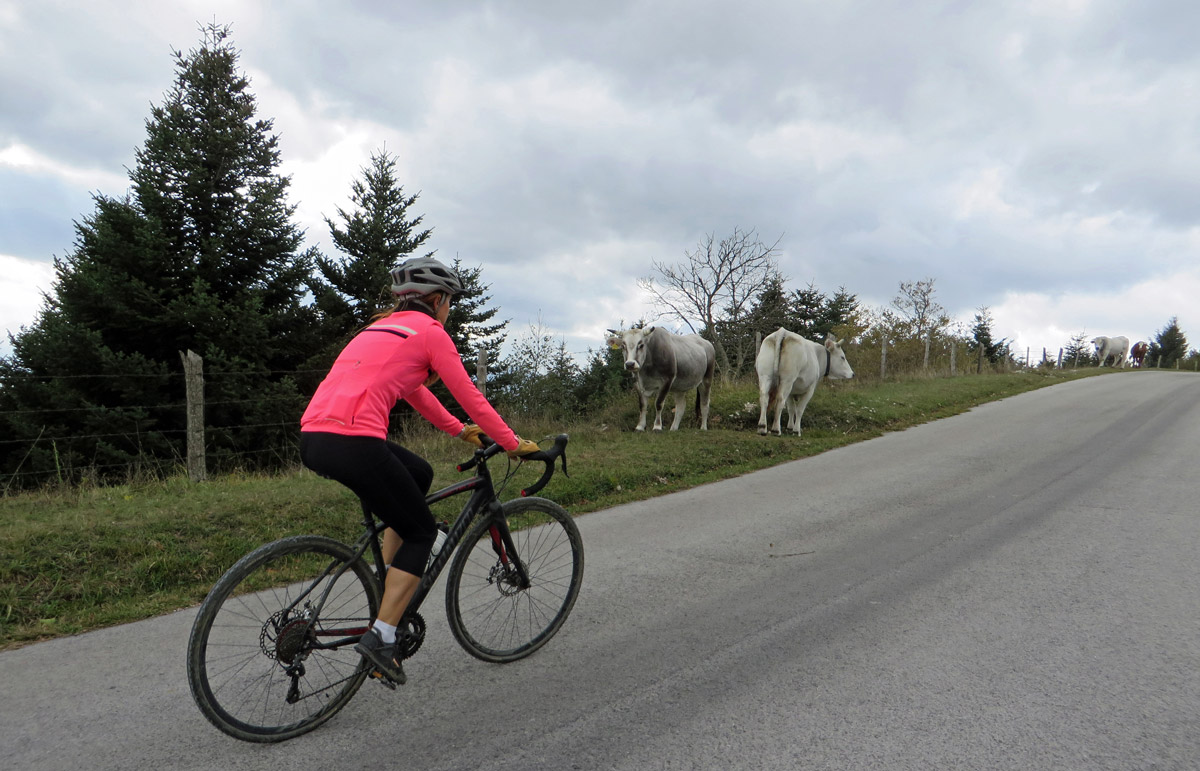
[
  {"x": 789, "y": 368},
  {"x": 1138, "y": 352},
  {"x": 1117, "y": 347},
  {"x": 665, "y": 363}
]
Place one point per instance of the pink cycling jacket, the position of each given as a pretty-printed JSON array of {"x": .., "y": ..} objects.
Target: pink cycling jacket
[{"x": 389, "y": 361}]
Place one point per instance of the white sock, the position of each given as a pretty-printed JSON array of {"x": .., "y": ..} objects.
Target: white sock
[{"x": 387, "y": 632}]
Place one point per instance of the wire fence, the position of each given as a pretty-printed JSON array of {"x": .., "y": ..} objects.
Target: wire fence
[{"x": 166, "y": 438}]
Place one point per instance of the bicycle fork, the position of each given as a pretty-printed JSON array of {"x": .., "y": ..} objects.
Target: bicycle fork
[{"x": 510, "y": 569}]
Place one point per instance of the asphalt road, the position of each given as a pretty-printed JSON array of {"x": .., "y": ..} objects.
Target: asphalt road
[{"x": 1012, "y": 588}]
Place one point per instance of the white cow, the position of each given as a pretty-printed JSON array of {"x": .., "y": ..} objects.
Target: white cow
[
  {"x": 789, "y": 368},
  {"x": 1117, "y": 347},
  {"x": 664, "y": 363}
]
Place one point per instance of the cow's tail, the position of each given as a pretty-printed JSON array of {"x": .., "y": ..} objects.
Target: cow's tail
[
  {"x": 709, "y": 370},
  {"x": 773, "y": 394}
]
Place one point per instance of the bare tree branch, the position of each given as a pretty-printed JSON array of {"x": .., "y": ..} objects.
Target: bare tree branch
[
  {"x": 916, "y": 302},
  {"x": 714, "y": 283}
]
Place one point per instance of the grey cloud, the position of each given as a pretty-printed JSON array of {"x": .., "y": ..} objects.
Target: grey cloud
[{"x": 1084, "y": 115}]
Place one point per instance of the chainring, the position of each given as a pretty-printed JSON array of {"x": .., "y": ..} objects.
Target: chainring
[{"x": 410, "y": 637}]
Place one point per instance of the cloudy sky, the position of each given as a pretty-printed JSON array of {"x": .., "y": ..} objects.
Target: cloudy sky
[{"x": 1039, "y": 158}]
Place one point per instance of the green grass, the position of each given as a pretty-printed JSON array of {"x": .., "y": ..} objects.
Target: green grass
[{"x": 81, "y": 559}]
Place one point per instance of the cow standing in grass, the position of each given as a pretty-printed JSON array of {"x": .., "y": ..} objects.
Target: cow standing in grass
[
  {"x": 1116, "y": 347},
  {"x": 665, "y": 363},
  {"x": 789, "y": 369},
  {"x": 1138, "y": 353}
]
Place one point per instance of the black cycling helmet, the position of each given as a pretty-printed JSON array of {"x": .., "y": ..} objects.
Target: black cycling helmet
[{"x": 422, "y": 275}]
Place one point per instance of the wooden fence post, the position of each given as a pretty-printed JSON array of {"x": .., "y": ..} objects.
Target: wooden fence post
[
  {"x": 883, "y": 361},
  {"x": 926, "y": 366},
  {"x": 481, "y": 371},
  {"x": 193, "y": 378},
  {"x": 953, "y": 352},
  {"x": 979, "y": 367}
]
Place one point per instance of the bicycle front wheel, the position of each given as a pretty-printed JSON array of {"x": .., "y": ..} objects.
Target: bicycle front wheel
[
  {"x": 271, "y": 654},
  {"x": 494, "y": 614}
]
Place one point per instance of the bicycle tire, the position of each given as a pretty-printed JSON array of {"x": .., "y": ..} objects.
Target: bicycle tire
[
  {"x": 490, "y": 617},
  {"x": 242, "y": 640}
]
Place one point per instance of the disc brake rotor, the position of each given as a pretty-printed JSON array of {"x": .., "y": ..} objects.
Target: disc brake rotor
[
  {"x": 283, "y": 640},
  {"x": 506, "y": 579}
]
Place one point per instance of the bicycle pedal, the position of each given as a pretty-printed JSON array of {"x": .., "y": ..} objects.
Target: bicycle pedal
[{"x": 381, "y": 677}]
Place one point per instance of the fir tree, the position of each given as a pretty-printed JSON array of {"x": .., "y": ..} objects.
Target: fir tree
[
  {"x": 471, "y": 323},
  {"x": 1079, "y": 352},
  {"x": 841, "y": 316},
  {"x": 807, "y": 308},
  {"x": 982, "y": 337},
  {"x": 770, "y": 310},
  {"x": 376, "y": 235},
  {"x": 201, "y": 255},
  {"x": 1169, "y": 346}
]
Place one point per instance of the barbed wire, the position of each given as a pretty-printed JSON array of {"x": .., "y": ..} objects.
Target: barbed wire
[{"x": 127, "y": 376}]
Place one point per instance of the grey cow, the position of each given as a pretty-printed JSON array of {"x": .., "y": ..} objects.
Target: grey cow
[
  {"x": 665, "y": 363},
  {"x": 1116, "y": 347},
  {"x": 789, "y": 367}
]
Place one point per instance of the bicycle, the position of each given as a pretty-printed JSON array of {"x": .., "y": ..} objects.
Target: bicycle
[{"x": 271, "y": 653}]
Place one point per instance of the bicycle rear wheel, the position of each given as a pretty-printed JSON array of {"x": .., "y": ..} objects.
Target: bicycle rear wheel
[
  {"x": 263, "y": 664},
  {"x": 491, "y": 614}
]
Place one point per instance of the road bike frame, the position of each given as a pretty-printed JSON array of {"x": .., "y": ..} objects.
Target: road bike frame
[{"x": 483, "y": 500}]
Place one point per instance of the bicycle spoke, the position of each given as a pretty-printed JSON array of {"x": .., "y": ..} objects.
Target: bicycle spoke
[
  {"x": 257, "y": 664},
  {"x": 492, "y": 614}
]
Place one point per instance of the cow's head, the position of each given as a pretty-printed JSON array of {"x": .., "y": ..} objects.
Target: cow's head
[
  {"x": 839, "y": 367},
  {"x": 633, "y": 343},
  {"x": 1100, "y": 343}
]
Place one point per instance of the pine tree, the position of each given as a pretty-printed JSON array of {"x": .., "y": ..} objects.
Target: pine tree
[
  {"x": 982, "y": 337},
  {"x": 1169, "y": 346},
  {"x": 207, "y": 179},
  {"x": 1079, "y": 352},
  {"x": 841, "y": 316},
  {"x": 377, "y": 234},
  {"x": 770, "y": 310},
  {"x": 471, "y": 322},
  {"x": 201, "y": 255},
  {"x": 807, "y": 308}
]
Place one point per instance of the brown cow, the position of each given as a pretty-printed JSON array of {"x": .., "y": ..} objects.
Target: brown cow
[{"x": 1138, "y": 352}]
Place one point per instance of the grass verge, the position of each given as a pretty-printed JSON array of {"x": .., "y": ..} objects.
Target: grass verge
[{"x": 82, "y": 559}]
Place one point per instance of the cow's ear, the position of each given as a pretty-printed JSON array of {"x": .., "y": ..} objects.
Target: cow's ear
[{"x": 613, "y": 332}]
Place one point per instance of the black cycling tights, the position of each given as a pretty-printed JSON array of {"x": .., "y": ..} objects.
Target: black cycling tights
[{"x": 389, "y": 479}]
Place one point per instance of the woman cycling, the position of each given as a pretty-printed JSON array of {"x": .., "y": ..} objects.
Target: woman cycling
[{"x": 343, "y": 436}]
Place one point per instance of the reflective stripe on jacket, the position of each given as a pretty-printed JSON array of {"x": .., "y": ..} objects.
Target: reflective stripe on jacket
[{"x": 389, "y": 361}]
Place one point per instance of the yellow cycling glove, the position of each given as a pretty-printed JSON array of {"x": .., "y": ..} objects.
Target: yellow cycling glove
[
  {"x": 524, "y": 447},
  {"x": 470, "y": 434}
]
